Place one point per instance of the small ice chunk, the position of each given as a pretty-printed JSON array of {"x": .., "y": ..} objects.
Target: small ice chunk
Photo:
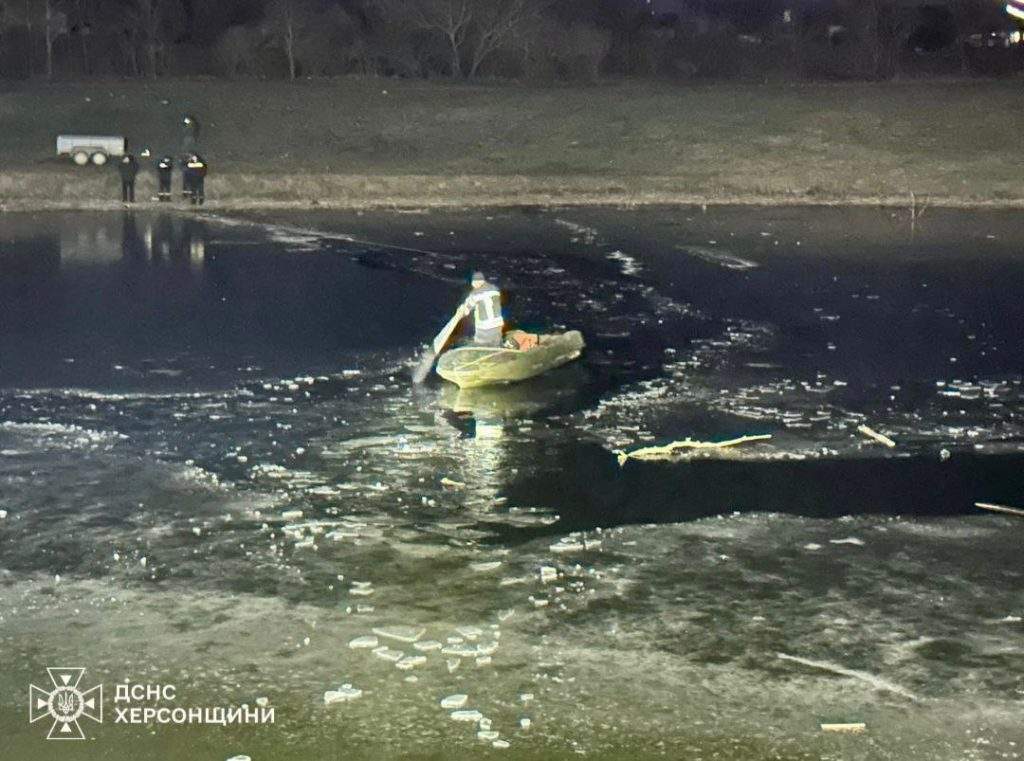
[
  {"x": 3, "y": 514},
  {"x": 343, "y": 694},
  {"x": 566, "y": 545},
  {"x": 812, "y": 546},
  {"x": 387, "y": 654},
  {"x": 483, "y": 660},
  {"x": 547, "y": 573},
  {"x": 407, "y": 634},
  {"x": 505, "y": 615},
  {"x": 473, "y": 716},
  {"x": 489, "y": 735},
  {"x": 427, "y": 645},
  {"x": 460, "y": 651},
  {"x": 525, "y": 723},
  {"x": 240, "y": 757},
  {"x": 291, "y": 515},
  {"x": 487, "y": 566},
  {"x": 469, "y": 632},
  {"x": 526, "y": 697},
  {"x": 410, "y": 662},
  {"x": 262, "y": 702},
  {"x": 489, "y": 648},
  {"x": 848, "y": 540},
  {"x": 368, "y": 643},
  {"x": 500, "y": 744},
  {"x": 453, "y": 702},
  {"x": 453, "y": 663}
]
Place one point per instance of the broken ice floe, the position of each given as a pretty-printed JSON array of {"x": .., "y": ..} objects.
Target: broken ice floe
[
  {"x": 718, "y": 256},
  {"x": 452, "y": 702},
  {"x": 386, "y": 653},
  {"x": 485, "y": 566},
  {"x": 473, "y": 716},
  {"x": 361, "y": 643},
  {"x": 343, "y": 694},
  {"x": 581, "y": 233},
  {"x": 406, "y": 634},
  {"x": 630, "y": 266},
  {"x": 410, "y": 662}
]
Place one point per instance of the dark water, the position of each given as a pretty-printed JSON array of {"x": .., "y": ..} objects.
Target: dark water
[{"x": 210, "y": 451}]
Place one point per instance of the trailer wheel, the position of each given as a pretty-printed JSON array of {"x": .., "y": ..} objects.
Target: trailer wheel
[
  {"x": 80, "y": 157},
  {"x": 99, "y": 158}
]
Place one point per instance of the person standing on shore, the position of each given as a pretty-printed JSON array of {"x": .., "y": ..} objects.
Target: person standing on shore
[
  {"x": 128, "y": 169},
  {"x": 164, "y": 170},
  {"x": 195, "y": 178}
]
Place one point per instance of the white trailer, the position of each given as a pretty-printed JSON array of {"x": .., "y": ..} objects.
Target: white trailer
[{"x": 95, "y": 148}]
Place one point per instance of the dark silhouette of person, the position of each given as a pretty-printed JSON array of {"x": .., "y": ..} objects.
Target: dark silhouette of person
[
  {"x": 195, "y": 178},
  {"x": 164, "y": 170},
  {"x": 128, "y": 168}
]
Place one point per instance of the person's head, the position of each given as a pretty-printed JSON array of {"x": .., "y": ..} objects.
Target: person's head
[
  {"x": 478, "y": 279},
  {"x": 127, "y": 158}
]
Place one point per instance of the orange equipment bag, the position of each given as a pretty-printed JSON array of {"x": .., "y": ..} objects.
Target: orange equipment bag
[{"x": 521, "y": 340}]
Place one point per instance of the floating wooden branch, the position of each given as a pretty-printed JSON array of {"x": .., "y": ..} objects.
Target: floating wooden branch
[
  {"x": 871, "y": 433},
  {"x": 1000, "y": 508},
  {"x": 665, "y": 452}
]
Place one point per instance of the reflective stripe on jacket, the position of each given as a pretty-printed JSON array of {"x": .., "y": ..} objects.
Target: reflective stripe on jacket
[{"x": 486, "y": 305}]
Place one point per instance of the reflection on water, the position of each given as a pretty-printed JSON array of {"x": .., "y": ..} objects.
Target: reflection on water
[{"x": 215, "y": 474}]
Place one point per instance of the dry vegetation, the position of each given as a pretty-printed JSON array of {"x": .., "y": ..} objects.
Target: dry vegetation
[{"x": 356, "y": 142}]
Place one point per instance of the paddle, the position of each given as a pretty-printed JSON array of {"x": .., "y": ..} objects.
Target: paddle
[{"x": 426, "y": 363}]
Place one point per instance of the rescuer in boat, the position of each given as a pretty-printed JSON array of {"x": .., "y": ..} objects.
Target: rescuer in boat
[{"x": 484, "y": 303}]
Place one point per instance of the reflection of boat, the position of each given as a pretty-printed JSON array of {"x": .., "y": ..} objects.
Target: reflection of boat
[
  {"x": 475, "y": 366},
  {"x": 550, "y": 393}
]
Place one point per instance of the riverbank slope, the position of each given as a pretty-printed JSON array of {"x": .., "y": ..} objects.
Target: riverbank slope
[{"x": 364, "y": 142}]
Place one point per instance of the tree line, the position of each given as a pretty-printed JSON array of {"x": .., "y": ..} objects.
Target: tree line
[{"x": 526, "y": 39}]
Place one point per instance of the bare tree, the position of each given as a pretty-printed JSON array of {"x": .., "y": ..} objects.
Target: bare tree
[
  {"x": 449, "y": 18},
  {"x": 54, "y": 25},
  {"x": 290, "y": 23},
  {"x": 151, "y": 24},
  {"x": 472, "y": 29},
  {"x": 236, "y": 50},
  {"x": 495, "y": 24}
]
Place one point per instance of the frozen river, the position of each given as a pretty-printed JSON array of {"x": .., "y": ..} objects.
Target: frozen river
[{"x": 214, "y": 475}]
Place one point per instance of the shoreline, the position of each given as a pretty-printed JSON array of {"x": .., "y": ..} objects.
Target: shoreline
[{"x": 427, "y": 192}]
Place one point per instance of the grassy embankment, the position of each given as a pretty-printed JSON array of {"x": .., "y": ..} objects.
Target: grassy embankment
[{"x": 367, "y": 142}]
